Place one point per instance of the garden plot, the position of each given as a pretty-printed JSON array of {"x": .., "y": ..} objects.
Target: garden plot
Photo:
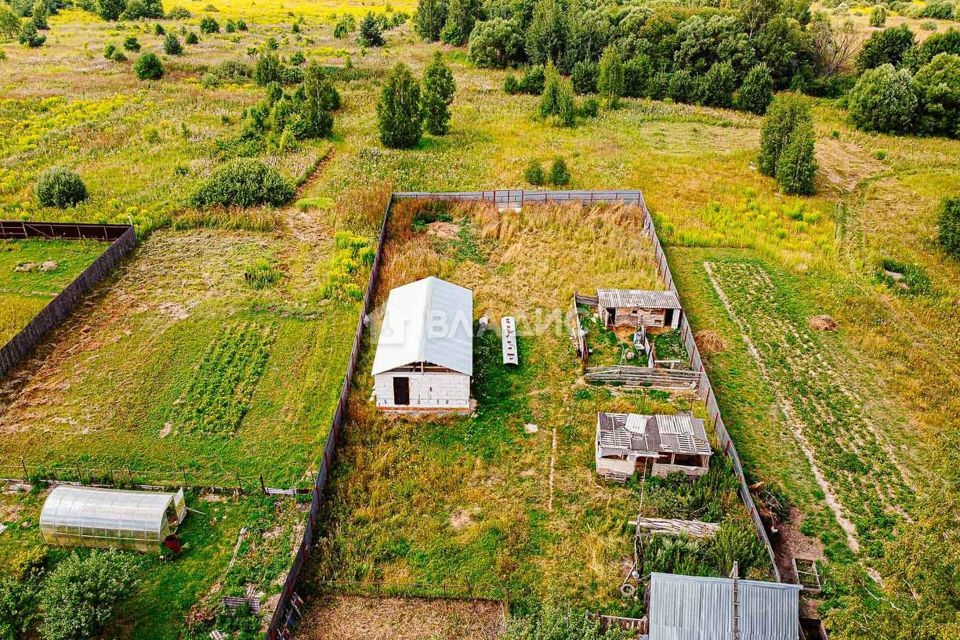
[
  {"x": 507, "y": 502},
  {"x": 33, "y": 272},
  {"x": 857, "y": 469},
  {"x": 210, "y": 352}
]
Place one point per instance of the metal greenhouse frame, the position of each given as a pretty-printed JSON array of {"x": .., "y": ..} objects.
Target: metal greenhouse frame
[{"x": 110, "y": 518}]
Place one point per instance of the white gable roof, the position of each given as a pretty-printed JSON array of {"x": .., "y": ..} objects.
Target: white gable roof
[{"x": 429, "y": 320}]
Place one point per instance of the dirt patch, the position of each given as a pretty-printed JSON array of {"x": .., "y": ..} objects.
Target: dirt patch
[
  {"x": 443, "y": 230},
  {"x": 461, "y": 519},
  {"x": 359, "y": 618},
  {"x": 710, "y": 342}
]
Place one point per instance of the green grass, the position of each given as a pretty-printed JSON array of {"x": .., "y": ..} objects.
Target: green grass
[{"x": 27, "y": 284}]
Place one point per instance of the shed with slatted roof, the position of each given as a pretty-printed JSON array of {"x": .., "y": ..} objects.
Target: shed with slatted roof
[
  {"x": 639, "y": 308},
  {"x": 660, "y": 444}
]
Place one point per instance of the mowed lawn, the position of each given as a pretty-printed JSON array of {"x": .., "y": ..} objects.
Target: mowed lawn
[{"x": 33, "y": 272}]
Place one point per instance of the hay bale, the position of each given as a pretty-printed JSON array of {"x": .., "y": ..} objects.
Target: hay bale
[
  {"x": 823, "y": 323},
  {"x": 710, "y": 341}
]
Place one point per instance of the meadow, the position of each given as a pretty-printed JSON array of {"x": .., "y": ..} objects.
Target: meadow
[{"x": 96, "y": 395}]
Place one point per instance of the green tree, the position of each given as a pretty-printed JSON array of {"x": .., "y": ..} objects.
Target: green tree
[
  {"x": 430, "y": 18},
  {"x": 756, "y": 92},
  {"x": 533, "y": 173},
  {"x": 549, "y": 98},
  {"x": 267, "y": 70},
  {"x": 884, "y": 99},
  {"x": 796, "y": 166},
  {"x": 370, "y": 33},
  {"x": 786, "y": 112},
  {"x": 148, "y": 67},
  {"x": 319, "y": 103},
  {"x": 583, "y": 77},
  {"x": 209, "y": 25},
  {"x": 244, "y": 182},
  {"x": 878, "y": 16},
  {"x": 110, "y": 9},
  {"x": 496, "y": 43},
  {"x": 9, "y": 23},
  {"x": 717, "y": 85},
  {"x": 460, "y": 20},
  {"x": 566, "y": 105},
  {"x": 546, "y": 37},
  {"x": 29, "y": 36},
  {"x": 344, "y": 27},
  {"x": 948, "y": 219},
  {"x": 885, "y": 47},
  {"x": 172, "y": 46},
  {"x": 559, "y": 173},
  {"x": 438, "y": 91},
  {"x": 610, "y": 79},
  {"x": 40, "y": 14},
  {"x": 938, "y": 88},
  {"x": 399, "y": 117},
  {"x": 78, "y": 596}
]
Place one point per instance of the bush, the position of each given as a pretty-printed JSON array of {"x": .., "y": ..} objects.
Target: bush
[
  {"x": 938, "y": 10},
  {"x": 131, "y": 43},
  {"x": 610, "y": 79},
  {"x": 18, "y": 606},
  {"x": 209, "y": 25},
  {"x": 459, "y": 23},
  {"x": 172, "y": 46},
  {"x": 438, "y": 90},
  {"x": 534, "y": 173},
  {"x": 110, "y": 9},
  {"x": 268, "y": 69},
  {"x": 29, "y": 36},
  {"x": 636, "y": 76},
  {"x": 39, "y": 15},
  {"x": 109, "y": 51},
  {"x": 78, "y": 596},
  {"x": 158, "y": 30},
  {"x": 321, "y": 100},
  {"x": 399, "y": 117},
  {"x": 681, "y": 87},
  {"x": 948, "y": 220},
  {"x": 883, "y": 99},
  {"x": 9, "y": 23},
  {"x": 227, "y": 71},
  {"x": 371, "y": 33},
  {"x": 717, "y": 85},
  {"x": 496, "y": 43},
  {"x": 559, "y": 173},
  {"x": 148, "y": 67},
  {"x": 430, "y": 18},
  {"x": 244, "y": 182},
  {"x": 59, "y": 187},
  {"x": 191, "y": 38},
  {"x": 142, "y": 9},
  {"x": 784, "y": 116},
  {"x": 938, "y": 88},
  {"x": 344, "y": 27},
  {"x": 796, "y": 166},
  {"x": 589, "y": 108},
  {"x": 756, "y": 92},
  {"x": 532, "y": 81},
  {"x": 297, "y": 58},
  {"x": 179, "y": 13},
  {"x": 878, "y": 16},
  {"x": 584, "y": 78},
  {"x": 549, "y": 96},
  {"x": 885, "y": 47}
]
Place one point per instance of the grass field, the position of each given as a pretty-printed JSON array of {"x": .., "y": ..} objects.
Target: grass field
[
  {"x": 33, "y": 272},
  {"x": 96, "y": 396}
]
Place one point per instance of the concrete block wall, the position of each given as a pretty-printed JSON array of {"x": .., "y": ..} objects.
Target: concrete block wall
[{"x": 430, "y": 390}]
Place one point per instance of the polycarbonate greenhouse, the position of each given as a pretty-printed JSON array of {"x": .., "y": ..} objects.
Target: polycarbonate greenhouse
[{"x": 110, "y": 518}]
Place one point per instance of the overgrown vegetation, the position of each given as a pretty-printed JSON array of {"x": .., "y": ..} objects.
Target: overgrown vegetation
[{"x": 243, "y": 183}]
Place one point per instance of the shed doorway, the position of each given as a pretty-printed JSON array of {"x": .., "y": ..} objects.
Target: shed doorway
[{"x": 401, "y": 390}]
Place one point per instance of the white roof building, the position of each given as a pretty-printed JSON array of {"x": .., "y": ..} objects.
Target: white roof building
[{"x": 424, "y": 356}]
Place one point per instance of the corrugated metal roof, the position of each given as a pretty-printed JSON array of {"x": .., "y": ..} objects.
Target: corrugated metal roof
[
  {"x": 699, "y": 608},
  {"x": 681, "y": 433},
  {"x": 620, "y": 298},
  {"x": 429, "y": 320}
]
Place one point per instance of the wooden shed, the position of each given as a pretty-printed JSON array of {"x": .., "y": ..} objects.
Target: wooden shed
[
  {"x": 639, "y": 308},
  {"x": 629, "y": 442},
  {"x": 424, "y": 357}
]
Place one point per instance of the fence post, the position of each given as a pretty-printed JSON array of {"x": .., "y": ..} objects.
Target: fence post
[
  {"x": 263, "y": 487},
  {"x": 23, "y": 465}
]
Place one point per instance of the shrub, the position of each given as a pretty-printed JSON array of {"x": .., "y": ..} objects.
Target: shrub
[
  {"x": 191, "y": 38},
  {"x": 681, "y": 86},
  {"x": 18, "y": 606},
  {"x": 948, "y": 220},
  {"x": 883, "y": 99},
  {"x": 9, "y": 22},
  {"x": 610, "y": 78},
  {"x": 717, "y": 85},
  {"x": 534, "y": 173},
  {"x": 496, "y": 43},
  {"x": 142, "y": 9},
  {"x": 533, "y": 80},
  {"x": 158, "y": 30},
  {"x": 59, "y": 187},
  {"x": 399, "y": 117},
  {"x": 589, "y": 108},
  {"x": 131, "y": 43},
  {"x": 78, "y": 596},
  {"x": 549, "y": 96},
  {"x": 796, "y": 166},
  {"x": 109, "y": 50},
  {"x": 172, "y": 46},
  {"x": 29, "y": 36},
  {"x": 39, "y": 15},
  {"x": 227, "y": 71},
  {"x": 510, "y": 84},
  {"x": 148, "y": 67},
  {"x": 241, "y": 25},
  {"x": 438, "y": 90},
  {"x": 209, "y": 25},
  {"x": 267, "y": 69},
  {"x": 321, "y": 99},
  {"x": 243, "y": 182},
  {"x": 784, "y": 115},
  {"x": 344, "y": 27},
  {"x": 179, "y": 13},
  {"x": 938, "y": 88},
  {"x": 878, "y": 16},
  {"x": 938, "y": 10},
  {"x": 885, "y": 47},
  {"x": 584, "y": 77},
  {"x": 636, "y": 76},
  {"x": 297, "y": 58},
  {"x": 110, "y": 9},
  {"x": 756, "y": 92},
  {"x": 370, "y": 33},
  {"x": 559, "y": 173},
  {"x": 430, "y": 18},
  {"x": 459, "y": 23}
]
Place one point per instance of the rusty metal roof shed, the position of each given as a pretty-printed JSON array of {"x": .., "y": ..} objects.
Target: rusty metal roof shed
[
  {"x": 640, "y": 434},
  {"x": 700, "y": 608},
  {"x": 637, "y": 298}
]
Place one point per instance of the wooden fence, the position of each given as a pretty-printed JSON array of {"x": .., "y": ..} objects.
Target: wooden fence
[
  {"x": 630, "y": 376},
  {"x": 289, "y": 606},
  {"x": 122, "y": 239}
]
